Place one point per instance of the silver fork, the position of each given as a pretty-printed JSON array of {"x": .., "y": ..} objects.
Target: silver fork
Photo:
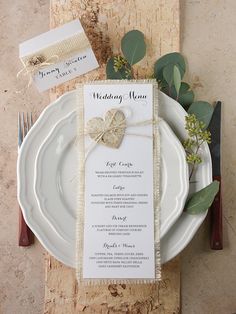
[{"x": 26, "y": 236}]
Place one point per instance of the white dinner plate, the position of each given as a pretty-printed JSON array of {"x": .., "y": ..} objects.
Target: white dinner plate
[
  {"x": 55, "y": 178},
  {"x": 176, "y": 238}
]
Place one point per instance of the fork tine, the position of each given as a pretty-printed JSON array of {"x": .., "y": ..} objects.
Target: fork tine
[
  {"x": 25, "y": 237},
  {"x": 20, "y": 134},
  {"x": 27, "y": 123},
  {"x": 23, "y": 125},
  {"x": 31, "y": 120}
]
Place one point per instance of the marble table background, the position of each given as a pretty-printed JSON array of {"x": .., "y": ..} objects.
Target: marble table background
[{"x": 208, "y": 42}]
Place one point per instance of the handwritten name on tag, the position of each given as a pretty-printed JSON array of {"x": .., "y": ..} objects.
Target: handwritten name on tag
[{"x": 57, "y": 56}]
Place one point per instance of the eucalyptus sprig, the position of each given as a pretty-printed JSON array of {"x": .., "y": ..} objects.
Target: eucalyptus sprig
[
  {"x": 169, "y": 71},
  {"x": 133, "y": 47},
  {"x": 121, "y": 63},
  {"x": 197, "y": 136}
]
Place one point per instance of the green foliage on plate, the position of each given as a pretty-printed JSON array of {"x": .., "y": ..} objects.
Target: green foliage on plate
[
  {"x": 168, "y": 74},
  {"x": 170, "y": 59},
  {"x": 202, "y": 110},
  {"x": 185, "y": 97},
  {"x": 133, "y": 47},
  {"x": 118, "y": 69},
  {"x": 202, "y": 200},
  {"x": 197, "y": 135},
  {"x": 177, "y": 79},
  {"x": 169, "y": 71}
]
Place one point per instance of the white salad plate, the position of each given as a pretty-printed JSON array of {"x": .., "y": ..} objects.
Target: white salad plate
[
  {"x": 178, "y": 236},
  {"x": 55, "y": 182}
]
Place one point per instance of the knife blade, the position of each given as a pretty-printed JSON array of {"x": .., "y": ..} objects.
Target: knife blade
[{"x": 216, "y": 237}]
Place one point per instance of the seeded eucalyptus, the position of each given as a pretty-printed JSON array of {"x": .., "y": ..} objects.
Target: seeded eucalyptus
[
  {"x": 133, "y": 48},
  {"x": 121, "y": 63},
  {"x": 197, "y": 136}
]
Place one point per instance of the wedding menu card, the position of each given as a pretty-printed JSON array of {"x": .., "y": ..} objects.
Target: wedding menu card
[
  {"x": 57, "y": 56},
  {"x": 118, "y": 234}
]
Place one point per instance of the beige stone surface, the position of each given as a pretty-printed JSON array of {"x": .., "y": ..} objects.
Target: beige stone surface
[
  {"x": 208, "y": 42},
  {"x": 21, "y": 269}
]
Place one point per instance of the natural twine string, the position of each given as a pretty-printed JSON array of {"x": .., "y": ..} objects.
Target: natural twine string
[
  {"x": 34, "y": 65},
  {"x": 121, "y": 125}
]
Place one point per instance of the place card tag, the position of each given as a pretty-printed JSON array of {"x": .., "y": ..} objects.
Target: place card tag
[
  {"x": 118, "y": 213},
  {"x": 57, "y": 56}
]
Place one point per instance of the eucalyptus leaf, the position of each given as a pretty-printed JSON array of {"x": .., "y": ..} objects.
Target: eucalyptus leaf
[
  {"x": 133, "y": 46},
  {"x": 173, "y": 58},
  {"x": 185, "y": 99},
  {"x": 177, "y": 79},
  {"x": 163, "y": 86},
  {"x": 117, "y": 75},
  {"x": 184, "y": 87},
  {"x": 168, "y": 74},
  {"x": 202, "y": 110},
  {"x": 186, "y": 95},
  {"x": 202, "y": 200}
]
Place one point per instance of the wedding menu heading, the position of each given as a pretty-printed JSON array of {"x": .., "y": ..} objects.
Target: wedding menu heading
[
  {"x": 132, "y": 95},
  {"x": 118, "y": 234}
]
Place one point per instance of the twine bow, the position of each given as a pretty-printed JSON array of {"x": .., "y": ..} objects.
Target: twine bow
[{"x": 34, "y": 64}]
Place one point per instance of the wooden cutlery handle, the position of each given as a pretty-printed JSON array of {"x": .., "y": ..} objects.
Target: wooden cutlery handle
[
  {"x": 216, "y": 241},
  {"x": 25, "y": 234}
]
